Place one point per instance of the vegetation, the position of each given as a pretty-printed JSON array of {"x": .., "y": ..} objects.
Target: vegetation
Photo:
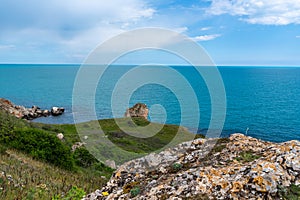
[
  {"x": 35, "y": 164},
  {"x": 22, "y": 177},
  {"x": 289, "y": 193},
  {"x": 135, "y": 191},
  {"x": 128, "y": 187},
  {"x": 247, "y": 156},
  {"x": 176, "y": 166}
]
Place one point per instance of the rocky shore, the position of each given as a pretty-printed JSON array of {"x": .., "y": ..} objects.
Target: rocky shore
[
  {"x": 28, "y": 113},
  {"x": 239, "y": 167}
]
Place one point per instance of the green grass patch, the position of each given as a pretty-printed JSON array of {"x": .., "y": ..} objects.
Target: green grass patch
[
  {"x": 289, "y": 193},
  {"x": 247, "y": 156}
]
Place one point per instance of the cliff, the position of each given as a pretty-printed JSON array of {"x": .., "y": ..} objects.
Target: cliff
[{"x": 239, "y": 167}]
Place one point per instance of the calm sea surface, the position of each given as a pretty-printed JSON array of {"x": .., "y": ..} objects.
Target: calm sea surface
[{"x": 264, "y": 100}]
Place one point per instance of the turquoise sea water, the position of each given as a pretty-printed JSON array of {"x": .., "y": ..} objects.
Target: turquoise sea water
[{"x": 264, "y": 99}]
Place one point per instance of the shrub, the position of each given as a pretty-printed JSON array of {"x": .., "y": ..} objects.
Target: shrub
[
  {"x": 42, "y": 145},
  {"x": 83, "y": 158}
]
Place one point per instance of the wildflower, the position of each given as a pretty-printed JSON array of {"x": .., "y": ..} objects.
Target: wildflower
[{"x": 105, "y": 193}]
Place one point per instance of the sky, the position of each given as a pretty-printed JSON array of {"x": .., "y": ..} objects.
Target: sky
[{"x": 233, "y": 32}]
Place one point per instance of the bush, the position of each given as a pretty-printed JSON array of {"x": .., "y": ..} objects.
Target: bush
[
  {"x": 83, "y": 158},
  {"x": 42, "y": 145}
]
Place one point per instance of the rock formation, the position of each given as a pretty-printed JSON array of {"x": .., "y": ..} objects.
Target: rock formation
[
  {"x": 27, "y": 113},
  {"x": 240, "y": 167},
  {"x": 60, "y": 136},
  {"x": 138, "y": 110},
  {"x": 55, "y": 111},
  {"x": 77, "y": 145}
]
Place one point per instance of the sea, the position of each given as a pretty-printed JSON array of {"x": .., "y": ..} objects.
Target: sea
[{"x": 262, "y": 101}]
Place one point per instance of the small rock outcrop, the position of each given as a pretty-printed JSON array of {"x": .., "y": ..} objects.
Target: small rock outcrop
[
  {"x": 60, "y": 136},
  {"x": 28, "y": 113},
  {"x": 111, "y": 164},
  {"x": 239, "y": 167},
  {"x": 77, "y": 145},
  {"x": 138, "y": 110},
  {"x": 55, "y": 111}
]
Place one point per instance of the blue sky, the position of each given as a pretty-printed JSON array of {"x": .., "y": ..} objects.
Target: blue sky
[{"x": 234, "y": 32}]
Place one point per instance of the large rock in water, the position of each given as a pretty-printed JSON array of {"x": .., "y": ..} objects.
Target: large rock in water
[
  {"x": 55, "y": 111},
  {"x": 239, "y": 167},
  {"x": 138, "y": 110}
]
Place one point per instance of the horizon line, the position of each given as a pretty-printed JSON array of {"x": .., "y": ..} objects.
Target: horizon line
[{"x": 179, "y": 65}]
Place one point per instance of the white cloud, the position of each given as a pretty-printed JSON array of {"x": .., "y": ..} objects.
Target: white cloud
[
  {"x": 206, "y": 37},
  {"x": 205, "y": 28},
  {"x": 267, "y": 12},
  {"x": 70, "y": 27}
]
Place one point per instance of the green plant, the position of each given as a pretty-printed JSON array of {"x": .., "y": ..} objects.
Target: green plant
[
  {"x": 3, "y": 149},
  {"x": 247, "y": 156},
  {"x": 129, "y": 186},
  {"x": 289, "y": 193},
  {"x": 42, "y": 145},
  {"x": 83, "y": 158},
  {"x": 176, "y": 166},
  {"x": 135, "y": 191},
  {"x": 74, "y": 193}
]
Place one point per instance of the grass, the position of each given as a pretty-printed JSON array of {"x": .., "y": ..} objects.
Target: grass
[
  {"x": 26, "y": 178},
  {"x": 289, "y": 193},
  {"x": 247, "y": 156}
]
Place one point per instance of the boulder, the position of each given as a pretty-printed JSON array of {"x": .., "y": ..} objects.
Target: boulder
[
  {"x": 60, "y": 136},
  {"x": 46, "y": 113},
  {"x": 238, "y": 167},
  {"x": 77, "y": 145},
  {"x": 138, "y": 110},
  {"x": 28, "y": 113},
  {"x": 111, "y": 164},
  {"x": 55, "y": 111}
]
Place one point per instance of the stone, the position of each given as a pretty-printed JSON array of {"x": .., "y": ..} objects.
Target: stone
[
  {"x": 77, "y": 145},
  {"x": 46, "y": 113},
  {"x": 277, "y": 165},
  {"x": 60, "y": 136},
  {"x": 138, "y": 110},
  {"x": 27, "y": 113},
  {"x": 56, "y": 111},
  {"x": 111, "y": 164}
]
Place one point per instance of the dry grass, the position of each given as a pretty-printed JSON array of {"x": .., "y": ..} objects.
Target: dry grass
[{"x": 24, "y": 178}]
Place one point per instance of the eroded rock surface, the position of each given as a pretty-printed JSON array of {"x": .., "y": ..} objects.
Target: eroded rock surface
[
  {"x": 28, "y": 113},
  {"x": 138, "y": 110},
  {"x": 240, "y": 167}
]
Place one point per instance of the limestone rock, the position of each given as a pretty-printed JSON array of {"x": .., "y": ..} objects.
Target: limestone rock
[
  {"x": 77, "y": 145},
  {"x": 111, "y": 164},
  {"x": 27, "y": 113},
  {"x": 55, "y": 111},
  {"x": 138, "y": 110},
  {"x": 191, "y": 170},
  {"x": 60, "y": 136}
]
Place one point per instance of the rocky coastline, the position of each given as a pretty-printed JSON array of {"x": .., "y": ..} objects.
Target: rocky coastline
[
  {"x": 29, "y": 113},
  {"x": 238, "y": 167}
]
